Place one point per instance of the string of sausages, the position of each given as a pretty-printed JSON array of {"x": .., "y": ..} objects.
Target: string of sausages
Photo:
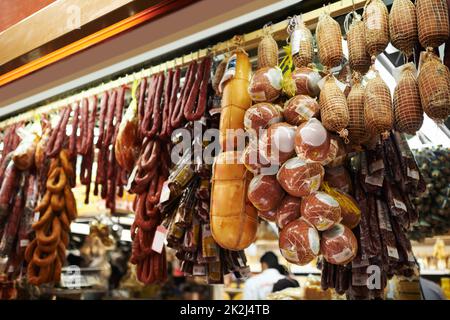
[
  {"x": 46, "y": 254},
  {"x": 152, "y": 171}
]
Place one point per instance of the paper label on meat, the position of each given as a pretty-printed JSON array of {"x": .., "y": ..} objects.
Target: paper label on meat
[
  {"x": 314, "y": 240},
  {"x": 131, "y": 178},
  {"x": 411, "y": 257},
  {"x": 199, "y": 270},
  {"x": 375, "y": 166},
  {"x": 296, "y": 37},
  {"x": 24, "y": 243},
  {"x": 400, "y": 205},
  {"x": 165, "y": 192},
  {"x": 36, "y": 217},
  {"x": 392, "y": 252},
  {"x": 342, "y": 256},
  {"x": 229, "y": 73},
  {"x": 159, "y": 239},
  {"x": 375, "y": 180},
  {"x": 412, "y": 173}
]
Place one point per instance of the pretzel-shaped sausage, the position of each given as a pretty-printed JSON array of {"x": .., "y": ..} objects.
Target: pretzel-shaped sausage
[
  {"x": 44, "y": 203},
  {"x": 66, "y": 164},
  {"x": 30, "y": 250},
  {"x": 45, "y": 261},
  {"x": 65, "y": 223},
  {"x": 44, "y": 220},
  {"x": 150, "y": 155},
  {"x": 48, "y": 248},
  {"x": 57, "y": 202},
  {"x": 71, "y": 205},
  {"x": 57, "y": 180},
  {"x": 54, "y": 236}
]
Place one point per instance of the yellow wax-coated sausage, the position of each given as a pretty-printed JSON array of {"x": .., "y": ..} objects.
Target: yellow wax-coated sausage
[
  {"x": 235, "y": 98},
  {"x": 233, "y": 218}
]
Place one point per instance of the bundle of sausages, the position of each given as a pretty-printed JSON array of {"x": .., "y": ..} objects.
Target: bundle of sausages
[
  {"x": 18, "y": 196},
  {"x": 47, "y": 252},
  {"x": 158, "y": 115},
  {"x": 109, "y": 174}
]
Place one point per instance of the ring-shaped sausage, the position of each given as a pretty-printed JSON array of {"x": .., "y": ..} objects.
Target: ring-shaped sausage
[
  {"x": 57, "y": 202},
  {"x": 57, "y": 180},
  {"x": 54, "y": 236},
  {"x": 44, "y": 219}
]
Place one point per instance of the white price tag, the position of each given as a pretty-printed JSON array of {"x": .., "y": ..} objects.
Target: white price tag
[
  {"x": 413, "y": 174},
  {"x": 165, "y": 192},
  {"x": 400, "y": 205},
  {"x": 392, "y": 252},
  {"x": 159, "y": 239},
  {"x": 24, "y": 243},
  {"x": 131, "y": 178},
  {"x": 36, "y": 217}
]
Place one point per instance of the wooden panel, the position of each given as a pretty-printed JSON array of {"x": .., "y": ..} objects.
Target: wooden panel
[
  {"x": 50, "y": 23},
  {"x": 13, "y": 11}
]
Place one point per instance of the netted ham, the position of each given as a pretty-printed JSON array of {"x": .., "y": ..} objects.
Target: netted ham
[
  {"x": 376, "y": 20},
  {"x": 403, "y": 26},
  {"x": 378, "y": 114},
  {"x": 302, "y": 47},
  {"x": 287, "y": 211},
  {"x": 338, "y": 245},
  {"x": 432, "y": 22},
  {"x": 299, "y": 242},
  {"x": 312, "y": 141},
  {"x": 329, "y": 41},
  {"x": 321, "y": 210},
  {"x": 358, "y": 57},
  {"x": 434, "y": 86},
  {"x": 277, "y": 143},
  {"x": 299, "y": 109},
  {"x": 262, "y": 115},
  {"x": 299, "y": 178},
  {"x": 408, "y": 112},
  {"x": 267, "y": 50},
  {"x": 333, "y": 107},
  {"x": 357, "y": 132},
  {"x": 265, "y": 85},
  {"x": 264, "y": 192}
]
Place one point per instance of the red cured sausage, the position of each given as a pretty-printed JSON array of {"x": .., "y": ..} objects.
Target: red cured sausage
[
  {"x": 177, "y": 116},
  {"x": 101, "y": 125},
  {"x": 173, "y": 99},
  {"x": 198, "y": 96},
  {"x": 166, "y": 109},
  {"x": 59, "y": 134},
  {"x": 148, "y": 105},
  {"x": 141, "y": 103},
  {"x": 82, "y": 148},
  {"x": 109, "y": 120},
  {"x": 155, "y": 110},
  {"x": 73, "y": 136}
]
